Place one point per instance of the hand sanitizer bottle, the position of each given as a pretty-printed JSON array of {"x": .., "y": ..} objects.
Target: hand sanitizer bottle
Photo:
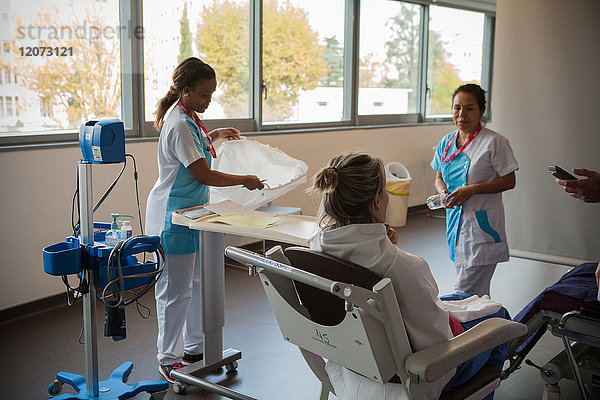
[{"x": 113, "y": 235}]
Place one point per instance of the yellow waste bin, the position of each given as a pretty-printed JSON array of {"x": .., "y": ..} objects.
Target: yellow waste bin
[{"x": 398, "y": 188}]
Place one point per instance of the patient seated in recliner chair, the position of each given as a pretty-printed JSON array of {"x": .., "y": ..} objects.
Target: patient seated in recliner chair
[{"x": 351, "y": 220}]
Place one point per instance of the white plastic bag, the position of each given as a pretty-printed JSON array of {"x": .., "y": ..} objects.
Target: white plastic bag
[{"x": 281, "y": 172}]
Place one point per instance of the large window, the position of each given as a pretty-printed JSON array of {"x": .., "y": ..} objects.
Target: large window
[
  {"x": 215, "y": 31},
  {"x": 281, "y": 64},
  {"x": 455, "y": 55},
  {"x": 389, "y": 57},
  {"x": 303, "y": 61},
  {"x": 64, "y": 55}
]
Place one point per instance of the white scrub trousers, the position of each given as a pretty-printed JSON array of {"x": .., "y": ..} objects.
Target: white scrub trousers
[
  {"x": 178, "y": 296},
  {"x": 474, "y": 280}
]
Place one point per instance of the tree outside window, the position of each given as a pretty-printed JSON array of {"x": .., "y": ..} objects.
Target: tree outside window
[
  {"x": 81, "y": 82},
  {"x": 455, "y": 55},
  {"x": 389, "y": 57},
  {"x": 292, "y": 55}
]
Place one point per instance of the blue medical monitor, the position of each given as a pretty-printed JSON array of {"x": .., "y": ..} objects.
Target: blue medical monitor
[{"x": 102, "y": 141}]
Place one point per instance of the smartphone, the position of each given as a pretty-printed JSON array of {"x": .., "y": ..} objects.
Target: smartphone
[{"x": 560, "y": 173}]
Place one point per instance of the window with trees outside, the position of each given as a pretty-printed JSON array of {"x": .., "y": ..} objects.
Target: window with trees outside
[
  {"x": 309, "y": 85},
  {"x": 281, "y": 64},
  {"x": 455, "y": 55},
  {"x": 218, "y": 32},
  {"x": 389, "y": 57},
  {"x": 61, "y": 62}
]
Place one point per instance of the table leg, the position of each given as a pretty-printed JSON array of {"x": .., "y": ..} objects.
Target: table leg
[
  {"x": 213, "y": 320},
  {"x": 213, "y": 295}
]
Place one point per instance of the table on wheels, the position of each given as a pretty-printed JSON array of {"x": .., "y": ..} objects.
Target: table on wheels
[{"x": 293, "y": 229}]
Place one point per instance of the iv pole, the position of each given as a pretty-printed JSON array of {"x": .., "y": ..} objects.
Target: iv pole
[
  {"x": 88, "y": 387},
  {"x": 89, "y": 298}
]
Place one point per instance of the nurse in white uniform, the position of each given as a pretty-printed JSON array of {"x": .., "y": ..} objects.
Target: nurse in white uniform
[
  {"x": 185, "y": 151},
  {"x": 474, "y": 166}
]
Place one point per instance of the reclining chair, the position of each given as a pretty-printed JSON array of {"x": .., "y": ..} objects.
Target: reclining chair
[
  {"x": 573, "y": 316},
  {"x": 334, "y": 309}
]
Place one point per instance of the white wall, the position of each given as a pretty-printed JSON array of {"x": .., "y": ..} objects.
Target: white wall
[
  {"x": 38, "y": 185},
  {"x": 546, "y": 98}
]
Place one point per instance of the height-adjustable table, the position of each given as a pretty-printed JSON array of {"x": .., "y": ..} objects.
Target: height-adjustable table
[{"x": 293, "y": 229}]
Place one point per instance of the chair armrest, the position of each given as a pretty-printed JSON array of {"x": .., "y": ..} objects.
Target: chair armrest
[{"x": 432, "y": 363}]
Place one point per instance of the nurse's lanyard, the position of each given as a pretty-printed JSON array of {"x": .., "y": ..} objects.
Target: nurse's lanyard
[
  {"x": 200, "y": 125},
  {"x": 464, "y": 146}
]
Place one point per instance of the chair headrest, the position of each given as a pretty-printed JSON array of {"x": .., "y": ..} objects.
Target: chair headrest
[{"x": 325, "y": 308}]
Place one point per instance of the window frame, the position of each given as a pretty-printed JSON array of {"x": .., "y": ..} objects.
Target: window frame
[
  {"x": 132, "y": 79},
  {"x": 351, "y": 32},
  {"x": 486, "y": 62}
]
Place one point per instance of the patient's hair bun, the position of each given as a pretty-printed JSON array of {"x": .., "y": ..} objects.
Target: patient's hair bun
[
  {"x": 327, "y": 179},
  {"x": 348, "y": 186}
]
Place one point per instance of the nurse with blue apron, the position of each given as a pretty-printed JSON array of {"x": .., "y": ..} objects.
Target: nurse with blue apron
[
  {"x": 185, "y": 152},
  {"x": 474, "y": 166}
]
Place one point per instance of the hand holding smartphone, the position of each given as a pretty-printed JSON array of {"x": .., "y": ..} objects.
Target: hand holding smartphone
[{"x": 560, "y": 173}]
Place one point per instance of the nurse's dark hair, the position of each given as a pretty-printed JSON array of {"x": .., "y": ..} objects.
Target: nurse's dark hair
[
  {"x": 475, "y": 90},
  {"x": 186, "y": 74},
  {"x": 348, "y": 185}
]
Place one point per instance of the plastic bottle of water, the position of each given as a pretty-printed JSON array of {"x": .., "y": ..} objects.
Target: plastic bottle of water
[
  {"x": 113, "y": 237},
  {"x": 436, "y": 201}
]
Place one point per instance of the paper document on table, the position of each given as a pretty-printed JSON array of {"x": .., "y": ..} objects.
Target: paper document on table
[
  {"x": 230, "y": 207},
  {"x": 256, "y": 221},
  {"x": 197, "y": 213}
]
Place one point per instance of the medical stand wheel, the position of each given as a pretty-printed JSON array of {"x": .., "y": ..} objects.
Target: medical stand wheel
[
  {"x": 55, "y": 388},
  {"x": 157, "y": 395},
  {"x": 179, "y": 387},
  {"x": 231, "y": 366}
]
